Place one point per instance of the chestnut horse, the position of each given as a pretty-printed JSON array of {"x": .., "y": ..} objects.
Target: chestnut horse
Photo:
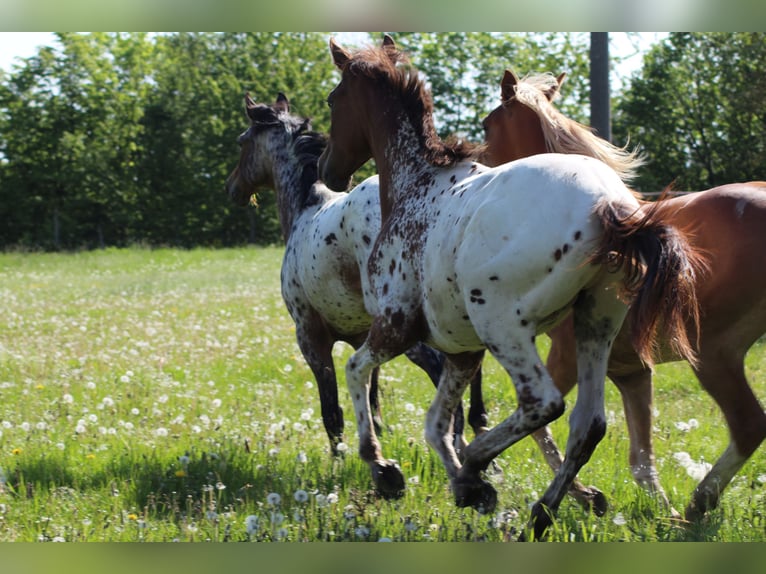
[
  {"x": 328, "y": 240},
  {"x": 728, "y": 224},
  {"x": 471, "y": 258}
]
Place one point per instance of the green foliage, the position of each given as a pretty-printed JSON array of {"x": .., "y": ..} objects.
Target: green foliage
[
  {"x": 120, "y": 139},
  {"x": 464, "y": 69},
  {"x": 159, "y": 395},
  {"x": 696, "y": 109},
  {"x": 114, "y": 139}
]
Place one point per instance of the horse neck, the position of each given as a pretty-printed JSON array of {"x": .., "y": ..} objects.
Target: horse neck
[
  {"x": 400, "y": 159},
  {"x": 293, "y": 196}
]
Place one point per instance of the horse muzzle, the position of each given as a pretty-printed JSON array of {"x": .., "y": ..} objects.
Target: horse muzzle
[{"x": 329, "y": 177}]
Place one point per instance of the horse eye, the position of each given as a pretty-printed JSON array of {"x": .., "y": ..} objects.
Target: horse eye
[{"x": 329, "y": 102}]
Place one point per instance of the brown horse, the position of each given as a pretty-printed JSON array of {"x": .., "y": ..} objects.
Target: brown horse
[
  {"x": 471, "y": 258},
  {"x": 728, "y": 224}
]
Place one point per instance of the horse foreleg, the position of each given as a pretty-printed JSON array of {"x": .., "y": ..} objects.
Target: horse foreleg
[
  {"x": 724, "y": 378},
  {"x": 386, "y": 474},
  {"x": 316, "y": 345},
  {"x": 377, "y": 419},
  {"x": 432, "y": 362},
  {"x": 636, "y": 392},
  {"x": 458, "y": 371},
  {"x": 477, "y": 412}
]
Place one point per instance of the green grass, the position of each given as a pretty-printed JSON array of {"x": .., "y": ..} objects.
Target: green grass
[{"x": 159, "y": 395}]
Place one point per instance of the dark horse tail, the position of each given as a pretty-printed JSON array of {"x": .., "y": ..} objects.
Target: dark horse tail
[{"x": 661, "y": 269}]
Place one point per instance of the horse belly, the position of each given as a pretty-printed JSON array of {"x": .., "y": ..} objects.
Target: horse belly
[{"x": 326, "y": 268}]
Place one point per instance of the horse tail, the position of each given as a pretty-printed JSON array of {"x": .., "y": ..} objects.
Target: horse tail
[{"x": 661, "y": 269}]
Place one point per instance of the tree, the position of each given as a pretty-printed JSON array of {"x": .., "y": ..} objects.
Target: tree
[
  {"x": 696, "y": 110},
  {"x": 464, "y": 69}
]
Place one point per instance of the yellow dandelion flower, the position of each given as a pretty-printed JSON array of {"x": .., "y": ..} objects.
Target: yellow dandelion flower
[
  {"x": 132, "y": 516},
  {"x": 180, "y": 473},
  {"x": 90, "y": 456},
  {"x": 16, "y": 451},
  {"x": 39, "y": 387}
]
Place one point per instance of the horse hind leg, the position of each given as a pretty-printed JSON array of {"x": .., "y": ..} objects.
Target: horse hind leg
[
  {"x": 598, "y": 315},
  {"x": 724, "y": 379},
  {"x": 539, "y": 402},
  {"x": 562, "y": 366}
]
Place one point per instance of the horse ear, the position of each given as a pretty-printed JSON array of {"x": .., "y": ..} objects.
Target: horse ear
[
  {"x": 339, "y": 56},
  {"x": 388, "y": 41},
  {"x": 282, "y": 105},
  {"x": 553, "y": 90},
  {"x": 508, "y": 86},
  {"x": 249, "y": 102}
]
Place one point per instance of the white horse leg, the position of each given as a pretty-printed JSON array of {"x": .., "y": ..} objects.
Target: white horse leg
[
  {"x": 386, "y": 474},
  {"x": 598, "y": 316},
  {"x": 457, "y": 373},
  {"x": 539, "y": 400}
]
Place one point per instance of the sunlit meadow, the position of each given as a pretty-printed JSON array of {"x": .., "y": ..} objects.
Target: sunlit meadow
[{"x": 159, "y": 395}]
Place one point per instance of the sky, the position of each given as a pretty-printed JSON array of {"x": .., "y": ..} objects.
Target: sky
[{"x": 14, "y": 45}]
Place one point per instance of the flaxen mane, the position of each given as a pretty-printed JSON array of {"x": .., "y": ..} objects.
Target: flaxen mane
[
  {"x": 391, "y": 68},
  {"x": 564, "y": 135}
]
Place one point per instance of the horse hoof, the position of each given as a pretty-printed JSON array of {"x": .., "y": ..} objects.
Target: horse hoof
[
  {"x": 597, "y": 501},
  {"x": 478, "y": 494},
  {"x": 540, "y": 519},
  {"x": 389, "y": 480}
]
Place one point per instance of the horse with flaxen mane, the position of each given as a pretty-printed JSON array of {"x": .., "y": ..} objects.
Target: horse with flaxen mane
[
  {"x": 472, "y": 258},
  {"x": 328, "y": 238},
  {"x": 727, "y": 223}
]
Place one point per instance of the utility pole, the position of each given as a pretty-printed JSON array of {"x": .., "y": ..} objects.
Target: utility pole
[{"x": 600, "y": 105}]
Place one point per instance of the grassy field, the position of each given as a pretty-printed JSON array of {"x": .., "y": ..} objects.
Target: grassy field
[{"x": 159, "y": 395}]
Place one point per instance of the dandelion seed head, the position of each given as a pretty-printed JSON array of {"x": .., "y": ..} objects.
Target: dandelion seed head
[
  {"x": 273, "y": 499},
  {"x": 251, "y": 524},
  {"x": 362, "y": 532},
  {"x": 301, "y": 496}
]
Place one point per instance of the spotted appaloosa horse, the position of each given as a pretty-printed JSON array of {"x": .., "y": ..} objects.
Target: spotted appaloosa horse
[
  {"x": 470, "y": 258},
  {"x": 728, "y": 224},
  {"x": 328, "y": 239}
]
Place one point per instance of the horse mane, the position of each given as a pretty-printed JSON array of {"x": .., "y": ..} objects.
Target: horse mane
[
  {"x": 307, "y": 147},
  {"x": 391, "y": 70},
  {"x": 565, "y": 135}
]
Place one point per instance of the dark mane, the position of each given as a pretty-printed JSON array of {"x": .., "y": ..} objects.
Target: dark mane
[
  {"x": 389, "y": 67},
  {"x": 307, "y": 147}
]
